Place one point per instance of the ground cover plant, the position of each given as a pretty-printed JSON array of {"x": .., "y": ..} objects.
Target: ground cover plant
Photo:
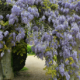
[
  {"x": 63, "y": 17},
  {"x": 24, "y": 69}
]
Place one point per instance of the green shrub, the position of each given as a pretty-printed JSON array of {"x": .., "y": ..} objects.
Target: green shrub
[
  {"x": 29, "y": 50},
  {"x": 19, "y": 55}
]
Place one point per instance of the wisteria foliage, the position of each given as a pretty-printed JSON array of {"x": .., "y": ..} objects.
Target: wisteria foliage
[{"x": 63, "y": 17}]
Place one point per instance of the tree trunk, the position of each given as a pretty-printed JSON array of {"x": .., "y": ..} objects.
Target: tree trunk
[
  {"x": 1, "y": 73},
  {"x": 6, "y": 65}
]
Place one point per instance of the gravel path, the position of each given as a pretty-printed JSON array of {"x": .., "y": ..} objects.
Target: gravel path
[{"x": 35, "y": 71}]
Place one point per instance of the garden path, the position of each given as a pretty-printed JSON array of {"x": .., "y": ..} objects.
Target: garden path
[{"x": 35, "y": 71}]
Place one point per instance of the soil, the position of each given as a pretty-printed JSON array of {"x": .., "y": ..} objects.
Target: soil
[{"x": 35, "y": 70}]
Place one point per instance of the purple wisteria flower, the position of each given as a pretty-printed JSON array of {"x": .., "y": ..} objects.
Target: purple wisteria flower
[
  {"x": 75, "y": 28},
  {"x": 67, "y": 75},
  {"x": 2, "y": 54},
  {"x": 61, "y": 69},
  {"x": 9, "y": 50},
  {"x": 67, "y": 62},
  {"x": 13, "y": 43},
  {"x": 35, "y": 28},
  {"x": 6, "y": 33},
  {"x": 30, "y": 2},
  {"x": 14, "y": 35},
  {"x": 78, "y": 7},
  {"x": 1, "y": 17},
  {"x": 25, "y": 20},
  {"x": 18, "y": 37},
  {"x": 12, "y": 19},
  {"x": 16, "y": 10},
  {"x": 62, "y": 19},
  {"x": 1, "y": 36},
  {"x": 0, "y": 26},
  {"x": 7, "y": 16},
  {"x": 78, "y": 35},
  {"x": 74, "y": 56},
  {"x": 1, "y": 46},
  {"x": 43, "y": 18},
  {"x": 67, "y": 5}
]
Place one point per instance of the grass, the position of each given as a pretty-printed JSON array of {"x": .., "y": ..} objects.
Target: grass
[{"x": 24, "y": 69}]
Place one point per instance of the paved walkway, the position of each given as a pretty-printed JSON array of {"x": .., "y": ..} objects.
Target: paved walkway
[{"x": 35, "y": 71}]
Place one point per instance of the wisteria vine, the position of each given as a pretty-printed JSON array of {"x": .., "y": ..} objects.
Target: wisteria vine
[{"x": 62, "y": 17}]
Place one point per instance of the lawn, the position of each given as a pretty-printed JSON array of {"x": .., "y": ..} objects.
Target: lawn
[
  {"x": 29, "y": 51},
  {"x": 24, "y": 69}
]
